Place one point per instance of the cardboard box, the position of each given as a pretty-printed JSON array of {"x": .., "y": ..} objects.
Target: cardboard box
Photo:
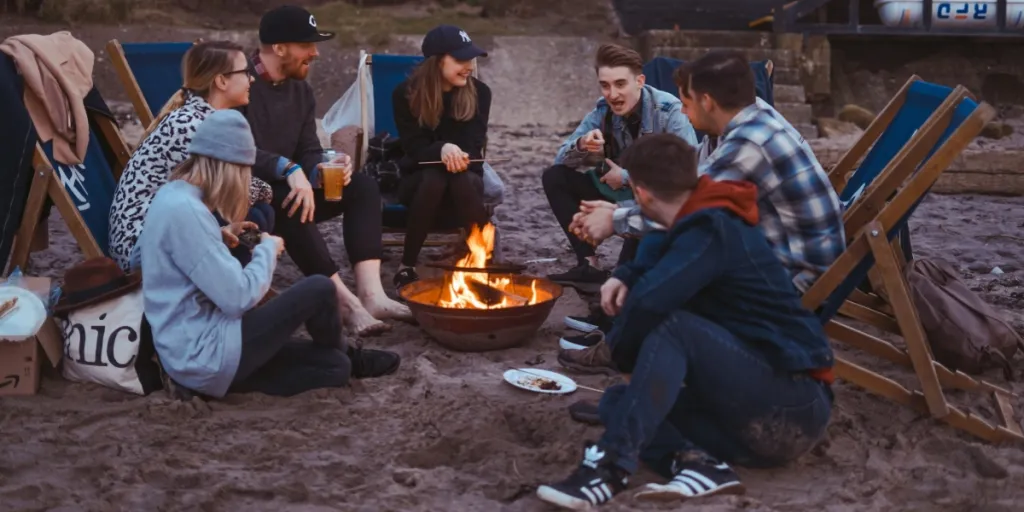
[{"x": 20, "y": 361}]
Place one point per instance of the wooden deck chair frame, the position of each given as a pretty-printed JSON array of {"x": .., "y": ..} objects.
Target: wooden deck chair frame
[
  {"x": 46, "y": 184},
  {"x": 872, "y": 240},
  {"x": 397, "y": 237},
  {"x": 131, "y": 85}
]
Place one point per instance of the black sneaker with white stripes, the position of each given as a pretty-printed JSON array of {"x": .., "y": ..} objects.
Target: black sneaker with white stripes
[
  {"x": 594, "y": 483},
  {"x": 581, "y": 341},
  {"x": 694, "y": 478}
]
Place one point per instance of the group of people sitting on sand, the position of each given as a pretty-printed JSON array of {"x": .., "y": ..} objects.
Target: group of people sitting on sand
[
  {"x": 703, "y": 309},
  {"x": 236, "y": 149}
]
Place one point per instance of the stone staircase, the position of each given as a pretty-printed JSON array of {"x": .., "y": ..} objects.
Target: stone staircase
[{"x": 787, "y": 57}]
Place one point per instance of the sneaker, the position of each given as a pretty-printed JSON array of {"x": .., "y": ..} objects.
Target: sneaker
[
  {"x": 367, "y": 363},
  {"x": 597, "y": 320},
  {"x": 581, "y": 341},
  {"x": 594, "y": 483},
  {"x": 591, "y": 360},
  {"x": 405, "y": 276},
  {"x": 695, "y": 477},
  {"x": 583, "y": 278}
]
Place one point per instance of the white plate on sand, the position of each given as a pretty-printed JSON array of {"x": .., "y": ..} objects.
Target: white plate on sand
[
  {"x": 26, "y": 319},
  {"x": 534, "y": 379}
]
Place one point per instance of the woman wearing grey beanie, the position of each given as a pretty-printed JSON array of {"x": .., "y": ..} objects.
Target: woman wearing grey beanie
[{"x": 201, "y": 303}]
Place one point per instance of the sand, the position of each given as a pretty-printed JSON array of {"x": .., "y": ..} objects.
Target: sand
[{"x": 446, "y": 433}]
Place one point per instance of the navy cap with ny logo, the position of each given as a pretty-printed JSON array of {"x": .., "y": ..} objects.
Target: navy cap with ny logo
[
  {"x": 450, "y": 40},
  {"x": 290, "y": 24}
]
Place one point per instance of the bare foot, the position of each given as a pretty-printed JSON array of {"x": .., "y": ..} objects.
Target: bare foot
[
  {"x": 383, "y": 308},
  {"x": 362, "y": 323}
]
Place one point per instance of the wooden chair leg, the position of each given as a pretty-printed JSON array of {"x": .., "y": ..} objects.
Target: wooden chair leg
[
  {"x": 910, "y": 324},
  {"x": 31, "y": 215}
]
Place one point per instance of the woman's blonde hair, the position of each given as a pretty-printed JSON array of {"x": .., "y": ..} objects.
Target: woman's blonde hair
[
  {"x": 425, "y": 95},
  {"x": 225, "y": 186},
  {"x": 202, "y": 64}
]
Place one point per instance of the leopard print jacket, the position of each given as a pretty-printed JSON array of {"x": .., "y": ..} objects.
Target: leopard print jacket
[{"x": 149, "y": 167}]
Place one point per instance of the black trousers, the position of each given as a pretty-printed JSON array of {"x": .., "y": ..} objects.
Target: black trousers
[
  {"x": 565, "y": 188},
  {"x": 361, "y": 208},
  {"x": 273, "y": 364},
  {"x": 431, "y": 194}
]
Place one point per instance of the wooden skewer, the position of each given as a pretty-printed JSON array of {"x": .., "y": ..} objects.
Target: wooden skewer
[
  {"x": 490, "y": 160},
  {"x": 528, "y": 372}
]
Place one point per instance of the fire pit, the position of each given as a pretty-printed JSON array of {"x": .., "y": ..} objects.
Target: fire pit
[{"x": 475, "y": 307}]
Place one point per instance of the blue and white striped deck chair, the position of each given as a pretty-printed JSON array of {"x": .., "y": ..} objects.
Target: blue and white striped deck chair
[
  {"x": 150, "y": 72},
  {"x": 897, "y": 190}
]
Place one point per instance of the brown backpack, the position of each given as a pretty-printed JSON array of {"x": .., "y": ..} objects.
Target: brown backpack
[{"x": 964, "y": 331}]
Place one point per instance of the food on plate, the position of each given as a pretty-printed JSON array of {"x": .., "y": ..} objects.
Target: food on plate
[
  {"x": 7, "y": 306},
  {"x": 540, "y": 383}
]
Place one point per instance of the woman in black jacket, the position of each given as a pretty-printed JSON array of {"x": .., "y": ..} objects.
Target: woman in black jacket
[{"x": 441, "y": 112}]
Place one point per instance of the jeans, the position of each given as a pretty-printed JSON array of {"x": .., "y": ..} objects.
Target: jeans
[
  {"x": 565, "y": 187},
  {"x": 273, "y": 364},
  {"x": 696, "y": 387},
  {"x": 431, "y": 192},
  {"x": 361, "y": 224}
]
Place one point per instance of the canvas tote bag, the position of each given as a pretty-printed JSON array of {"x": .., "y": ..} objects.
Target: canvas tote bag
[{"x": 109, "y": 343}]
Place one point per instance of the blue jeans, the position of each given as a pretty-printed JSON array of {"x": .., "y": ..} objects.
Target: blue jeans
[{"x": 696, "y": 387}]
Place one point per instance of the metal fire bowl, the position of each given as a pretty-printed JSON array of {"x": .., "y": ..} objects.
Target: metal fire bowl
[{"x": 480, "y": 330}]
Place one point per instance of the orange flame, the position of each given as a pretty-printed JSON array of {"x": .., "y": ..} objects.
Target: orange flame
[{"x": 461, "y": 296}]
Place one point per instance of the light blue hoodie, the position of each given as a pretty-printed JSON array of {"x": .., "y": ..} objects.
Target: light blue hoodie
[{"x": 195, "y": 292}]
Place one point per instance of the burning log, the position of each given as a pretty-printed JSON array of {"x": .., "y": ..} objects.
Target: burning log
[{"x": 493, "y": 296}]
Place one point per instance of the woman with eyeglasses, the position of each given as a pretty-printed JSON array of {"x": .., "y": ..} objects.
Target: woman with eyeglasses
[{"x": 216, "y": 77}]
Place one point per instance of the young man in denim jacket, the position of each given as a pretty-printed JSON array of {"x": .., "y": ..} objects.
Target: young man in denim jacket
[
  {"x": 585, "y": 167},
  {"x": 727, "y": 366}
]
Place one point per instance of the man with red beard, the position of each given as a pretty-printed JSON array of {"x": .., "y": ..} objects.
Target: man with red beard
[{"x": 282, "y": 111}]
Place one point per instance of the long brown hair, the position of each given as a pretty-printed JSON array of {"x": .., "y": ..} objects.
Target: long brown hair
[
  {"x": 225, "y": 186},
  {"x": 425, "y": 95},
  {"x": 202, "y": 64}
]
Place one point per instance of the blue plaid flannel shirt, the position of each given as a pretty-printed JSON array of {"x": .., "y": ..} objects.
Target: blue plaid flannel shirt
[{"x": 800, "y": 212}]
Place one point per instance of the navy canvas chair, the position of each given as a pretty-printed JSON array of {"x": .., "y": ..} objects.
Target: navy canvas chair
[
  {"x": 887, "y": 203},
  {"x": 150, "y": 73}
]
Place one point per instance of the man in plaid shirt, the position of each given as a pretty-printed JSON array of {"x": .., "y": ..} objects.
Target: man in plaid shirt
[{"x": 800, "y": 212}]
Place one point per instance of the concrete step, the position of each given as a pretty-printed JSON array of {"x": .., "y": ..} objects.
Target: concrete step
[
  {"x": 795, "y": 113},
  {"x": 786, "y": 76},
  {"x": 809, "y": 131},
  {"x": 789, "y": 93},
  {"x": 781, "y": 58},
  {"x": 707, "y": 39}
]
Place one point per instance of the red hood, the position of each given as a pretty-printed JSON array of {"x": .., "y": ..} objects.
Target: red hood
[{"x": 739, "y": 197}]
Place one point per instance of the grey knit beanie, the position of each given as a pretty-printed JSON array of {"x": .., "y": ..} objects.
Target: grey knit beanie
[{"x": 225, "y": 135}]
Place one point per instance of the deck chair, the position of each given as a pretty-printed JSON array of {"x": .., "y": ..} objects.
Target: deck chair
[
  {"x": 383, "y": 73},
  {"x": 894, "y": 194},
  {"x": 82, "y": 193},
  {"x": 150, "y": 73}
]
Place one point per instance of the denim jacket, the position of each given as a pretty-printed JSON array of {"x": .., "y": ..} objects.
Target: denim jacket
[
  {"x": 662, "y": 113},
  {"x": 714, "y": 265}
]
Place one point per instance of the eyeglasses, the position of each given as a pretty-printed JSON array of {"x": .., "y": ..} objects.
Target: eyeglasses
[{"x": 248, "y": 73}]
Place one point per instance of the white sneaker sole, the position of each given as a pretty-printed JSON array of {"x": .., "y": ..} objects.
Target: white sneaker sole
[
  {"x": 577, "y": 325},
  {"x": 678, "y": 492},
  {"x": 556, "y": 497},
  {"x": 568, "y": 345}
]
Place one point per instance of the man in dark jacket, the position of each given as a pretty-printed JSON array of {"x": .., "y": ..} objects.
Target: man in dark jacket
[
  {"x": 727, "y": 366},
  {"x": 281, "y": 112}
]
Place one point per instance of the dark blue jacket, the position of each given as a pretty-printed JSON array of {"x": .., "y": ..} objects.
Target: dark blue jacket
[{"x": 715, "y": 265}]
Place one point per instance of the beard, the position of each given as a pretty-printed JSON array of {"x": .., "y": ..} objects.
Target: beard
[{"x": 295, "y": 68}]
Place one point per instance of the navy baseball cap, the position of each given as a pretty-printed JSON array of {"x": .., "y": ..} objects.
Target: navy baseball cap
[
  {"x": 290, "y": 24},
  {"x": 450, "y": 40}
]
